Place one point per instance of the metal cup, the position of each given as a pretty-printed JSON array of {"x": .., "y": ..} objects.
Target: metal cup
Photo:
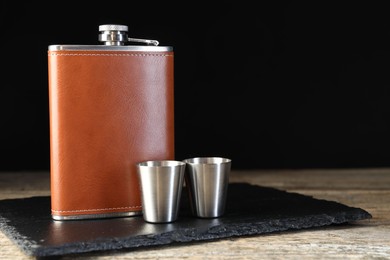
[
  {"x": 161, "y": 185},
  {"x": 207, "y": 180}
]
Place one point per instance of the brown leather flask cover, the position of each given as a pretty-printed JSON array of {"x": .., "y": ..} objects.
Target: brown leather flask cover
[{"x": 109, "y": 109}]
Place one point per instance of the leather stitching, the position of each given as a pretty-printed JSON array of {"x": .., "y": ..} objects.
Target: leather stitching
[
  {"x": 86, "y": 210},
  {"x": 106, "y": 54}
]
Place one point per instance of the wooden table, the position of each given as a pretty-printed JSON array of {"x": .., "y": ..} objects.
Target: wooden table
[{"x": 368, "y": 189}]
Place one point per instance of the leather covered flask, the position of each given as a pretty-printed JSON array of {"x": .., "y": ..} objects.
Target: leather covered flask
[{"x": 111, "y": 106}]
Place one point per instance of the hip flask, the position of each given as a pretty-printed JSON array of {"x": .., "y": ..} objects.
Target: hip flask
[{"x": 111, "y": 106}]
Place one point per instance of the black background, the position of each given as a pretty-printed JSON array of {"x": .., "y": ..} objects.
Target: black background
[{"x": 269, "y": 85}]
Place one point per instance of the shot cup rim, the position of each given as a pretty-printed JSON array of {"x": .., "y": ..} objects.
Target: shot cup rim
[
  {"x": 207, "y": 160},
  {"x": 160, "y": 163}
]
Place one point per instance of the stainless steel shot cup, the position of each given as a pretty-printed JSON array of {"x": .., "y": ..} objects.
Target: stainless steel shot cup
[
  {"x": 207, "y": 180},
  {"x": 161, "y": 187}
]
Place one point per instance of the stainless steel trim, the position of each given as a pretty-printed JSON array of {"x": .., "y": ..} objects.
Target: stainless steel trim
[
  {"x": 96, "y": 216},
  {"x": 66, "y": 47}
]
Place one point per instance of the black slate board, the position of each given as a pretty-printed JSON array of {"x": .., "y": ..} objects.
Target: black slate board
[{"x": 251, "y": 210}]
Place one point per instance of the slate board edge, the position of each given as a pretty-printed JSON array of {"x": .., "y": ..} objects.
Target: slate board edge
[
  {"x": 26, "y": 246},
  {"x": 178, "y": 236}
]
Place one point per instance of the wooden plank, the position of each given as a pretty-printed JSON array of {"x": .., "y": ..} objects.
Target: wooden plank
[{"x": 341, "y": 179}]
